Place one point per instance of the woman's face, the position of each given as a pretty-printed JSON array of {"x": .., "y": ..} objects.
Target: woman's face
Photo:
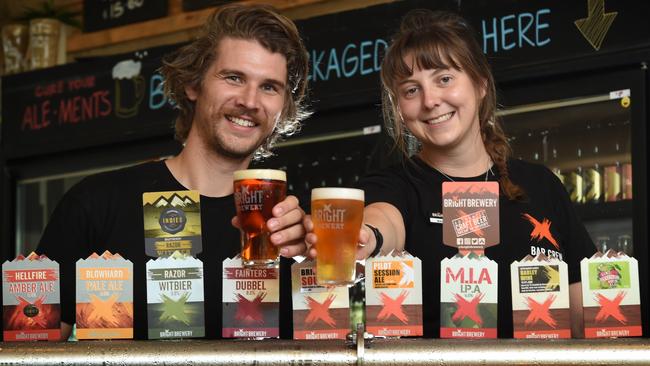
[{"x": 440, "y": 107}]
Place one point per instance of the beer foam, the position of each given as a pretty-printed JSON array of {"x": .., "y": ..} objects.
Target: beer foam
[
  {"x": 268, "y": 174},
  {"x": 337, "y": 193},
  {"x": 126, "y": 69}
]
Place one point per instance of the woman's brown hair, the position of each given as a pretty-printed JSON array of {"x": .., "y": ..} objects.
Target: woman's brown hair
[
  {"x": 440, "y": 39},
  {"x": 275, "y": 32}
]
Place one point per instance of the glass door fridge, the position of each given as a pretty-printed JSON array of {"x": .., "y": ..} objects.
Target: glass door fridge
[{"x": 590, "y": 130}]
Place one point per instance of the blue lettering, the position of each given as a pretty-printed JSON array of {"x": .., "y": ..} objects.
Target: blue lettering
[
  {"x": 356, "y": 59},
  {"x": 365, "y": 56},
  {"x": 157, "y": 97},
  {"x": 524, "y": 28},
  {"x": 507, "y": 35},
  {"x": 505, "y": 31},
  {"x": 316, "y": 61},
  {"x": 384, "y": 45},
  {"x": 541, "y": 25},
  {"x": 347, "y": 60},
  {"x": 333, "y": 64},
  {"x": 492, "y": 35}
]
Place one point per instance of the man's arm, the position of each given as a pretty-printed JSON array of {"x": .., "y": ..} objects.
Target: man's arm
[{"x": 577, "y": 320}]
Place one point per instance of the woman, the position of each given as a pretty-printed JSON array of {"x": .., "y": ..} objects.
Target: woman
[{"x": 439, "y": 93}]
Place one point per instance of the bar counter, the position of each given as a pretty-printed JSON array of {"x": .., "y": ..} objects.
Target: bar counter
[{"x": 630, "y": 351}]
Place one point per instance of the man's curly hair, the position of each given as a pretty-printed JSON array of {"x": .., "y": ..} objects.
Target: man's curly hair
[{"x": 187, "y": 66}]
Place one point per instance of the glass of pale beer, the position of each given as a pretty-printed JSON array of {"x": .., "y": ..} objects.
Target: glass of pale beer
[
  {"x": 337, "y": 214},
  {"x": 257, "y": 191}
]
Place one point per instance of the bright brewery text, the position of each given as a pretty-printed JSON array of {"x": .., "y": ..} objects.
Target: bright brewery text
[
  {"x": 250, "y": 333},
  {"x": 331, "y": 218},
  {"x": 471, "y": 202},
  {"x": 249, "y": 201},
  {"x": 321, "y": 336}
]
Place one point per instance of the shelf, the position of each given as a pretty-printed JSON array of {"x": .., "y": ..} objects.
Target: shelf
[
  {"x": 181, "y": 26},
  {"x": 605, "y": 210}
]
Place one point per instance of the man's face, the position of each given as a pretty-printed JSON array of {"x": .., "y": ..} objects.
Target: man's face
[{"x": 240, "y": 99}]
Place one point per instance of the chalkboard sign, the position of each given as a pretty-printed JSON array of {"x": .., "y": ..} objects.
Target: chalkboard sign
[
  {"x": 103, "y": 14},
  {"x": 88, "y": 103},
  {"x": 346, "y": 48}
]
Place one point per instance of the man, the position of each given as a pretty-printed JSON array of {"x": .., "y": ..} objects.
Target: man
[{"x": 238, "y": 88}]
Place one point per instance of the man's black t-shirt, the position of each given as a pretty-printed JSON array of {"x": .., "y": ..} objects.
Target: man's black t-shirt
[
  {"x": 104, "y": 212},
  {"x": 415, "y": 189}
]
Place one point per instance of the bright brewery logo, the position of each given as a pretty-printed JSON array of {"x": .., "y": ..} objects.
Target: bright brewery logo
[
  {"x": 129, "y": 88},
  {"x": 249, "y": 200},
  {"x": 331, "y": 218}
]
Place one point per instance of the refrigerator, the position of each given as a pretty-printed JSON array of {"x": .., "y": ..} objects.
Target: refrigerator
[{"x": 589, "y": 128}]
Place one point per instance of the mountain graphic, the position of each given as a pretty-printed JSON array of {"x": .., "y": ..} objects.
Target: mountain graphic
[
  {"x": 471, "y": 189},
  {"x": 175, "y": 201}
]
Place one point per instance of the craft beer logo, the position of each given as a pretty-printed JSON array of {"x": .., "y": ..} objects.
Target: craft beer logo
[
  {"x": 471, "y": 215},
  {"x": 331, "y": 218},
  {"x": 472, "y": 223},
  {"x": 172, "y": 220},
  {"x": 249, "y": 200}
]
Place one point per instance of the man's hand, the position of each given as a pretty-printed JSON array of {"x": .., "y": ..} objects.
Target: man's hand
[{"x": 286, "y": 227}]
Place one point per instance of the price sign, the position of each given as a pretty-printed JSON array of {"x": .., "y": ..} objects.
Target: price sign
[{"x": 103, "y": 14}]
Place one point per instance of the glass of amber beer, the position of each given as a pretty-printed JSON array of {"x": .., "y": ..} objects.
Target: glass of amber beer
[
  {"x": 337, "y": 214},
  {"x": 257, "y": 191}
]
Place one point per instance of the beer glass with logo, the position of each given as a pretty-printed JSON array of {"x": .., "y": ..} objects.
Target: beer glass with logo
[
  {"x": 337, "y": 214},
  {"x": 257, "y": 191}
]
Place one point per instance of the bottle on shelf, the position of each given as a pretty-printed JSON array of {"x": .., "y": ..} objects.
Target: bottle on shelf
[
  {"x": 626, "y": 181},
  {"x": 625, "y": 245},
  {"x": 592, "y": 180},
  {"x": 626, "y": 164},
  {"x": 574, "y": 181},
  {"x": 551, "y": 143},
  {"x": 612, "y": 178},
  {"x": 603, "y": 243}
]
